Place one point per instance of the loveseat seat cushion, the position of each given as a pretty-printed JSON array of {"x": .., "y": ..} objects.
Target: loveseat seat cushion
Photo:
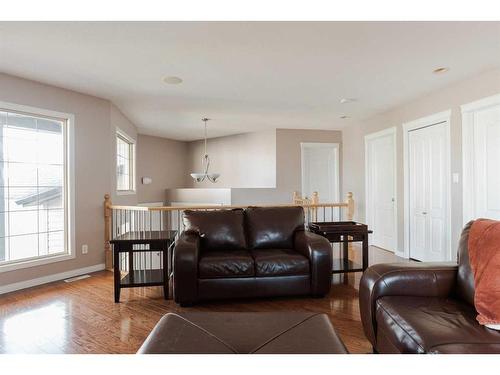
[
  {"x": 218, "y": 229},
  {"x": 431, "y": 325},
  {"x": 273, "y": 227},
  {"x": 225, "y": 264},
  {"x": 279, "y": 262}
]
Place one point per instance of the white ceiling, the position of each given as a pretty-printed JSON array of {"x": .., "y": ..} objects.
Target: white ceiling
[{"x": 248, "y": 75}]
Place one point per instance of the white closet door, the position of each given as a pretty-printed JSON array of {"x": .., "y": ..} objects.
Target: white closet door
[
  {"x": 427, "y": 193},
  {"x": 486, "y": 163},
  {"x": 380, "y": 186}
]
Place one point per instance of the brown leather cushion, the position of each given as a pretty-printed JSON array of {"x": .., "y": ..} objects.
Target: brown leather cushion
[
  {"x": 431, "y": 325},
  {"x": 218, "y": 229},
  {"x": 280, "y": 262},
  {"x": 225, "y": 263},
  {"x": 273, "y": 227},
  {"x": 243, "y": 333},
  {"x": 465, "y": 277}
]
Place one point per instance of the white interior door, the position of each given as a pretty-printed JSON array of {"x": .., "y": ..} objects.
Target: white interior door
[
  {"x": 427, "y": 150},
  {"x": 320, "y": 172},
  {"x": 482, "y": 162},
  {"x": 380, "y": 167}
]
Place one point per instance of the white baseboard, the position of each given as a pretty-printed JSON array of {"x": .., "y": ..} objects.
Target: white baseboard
[{"x": 50, "y": 278}]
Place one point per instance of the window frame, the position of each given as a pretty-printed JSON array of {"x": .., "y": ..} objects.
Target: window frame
[
  {"x": 132, "y": 167},
  {"x": 68, "y": 120}
]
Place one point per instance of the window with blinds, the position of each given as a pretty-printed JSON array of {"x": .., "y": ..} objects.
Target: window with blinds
[
  {"x": 33, "y": 187},
  {"x": 124, "y": 163}
]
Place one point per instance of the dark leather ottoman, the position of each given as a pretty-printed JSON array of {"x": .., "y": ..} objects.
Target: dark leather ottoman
[{"x": 243, "y": 333}]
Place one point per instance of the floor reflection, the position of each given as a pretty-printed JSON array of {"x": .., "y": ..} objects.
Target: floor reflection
[{"x": 43, "y": 329}]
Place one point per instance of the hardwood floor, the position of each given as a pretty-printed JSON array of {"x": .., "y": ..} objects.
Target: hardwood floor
[{"x": 81, "y": 317}]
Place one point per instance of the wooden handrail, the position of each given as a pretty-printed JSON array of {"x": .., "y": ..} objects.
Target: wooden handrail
[{"x": 222, "y": 207}]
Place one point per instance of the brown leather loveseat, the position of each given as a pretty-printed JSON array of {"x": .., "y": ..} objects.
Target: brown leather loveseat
[
  {"x": 256, "y": 252},
  {"x": 424, "y": 307}
]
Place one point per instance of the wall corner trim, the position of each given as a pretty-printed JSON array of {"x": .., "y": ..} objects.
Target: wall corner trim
[{"x": 50, "y": 278}]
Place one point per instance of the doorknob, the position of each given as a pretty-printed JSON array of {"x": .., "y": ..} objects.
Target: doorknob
[{"x": 424, "y": 213}]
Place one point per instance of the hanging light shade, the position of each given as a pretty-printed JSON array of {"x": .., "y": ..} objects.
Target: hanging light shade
[{"x": 205, "y": 162}]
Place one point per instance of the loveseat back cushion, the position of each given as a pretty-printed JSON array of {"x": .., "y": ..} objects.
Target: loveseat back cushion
[
  {"x": 218, "y": 229},
  {"x": 465, "y": 277},
  {"x": 273, "y": 227}
]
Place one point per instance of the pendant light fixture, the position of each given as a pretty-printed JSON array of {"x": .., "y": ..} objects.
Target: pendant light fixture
[{"x": 199, "y": 177}]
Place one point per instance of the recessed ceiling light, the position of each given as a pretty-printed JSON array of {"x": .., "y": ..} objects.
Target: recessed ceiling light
[
  {"x": 344, "y": 117},
  {"x": 172, "y": 80},
  {"x": 347, "y": 100},
  {"x": 440, "y": 70}
]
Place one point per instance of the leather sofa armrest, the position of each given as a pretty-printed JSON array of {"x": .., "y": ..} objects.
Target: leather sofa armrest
[
  {"x": 319, "y": 252},
  {"x": 185, "y": 267},
  {"x": 402, "y": 279}
]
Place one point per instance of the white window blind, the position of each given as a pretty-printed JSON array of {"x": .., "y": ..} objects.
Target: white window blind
[
  {"x": 124, "y": 163},
  {"x": 33, "y": 187}
]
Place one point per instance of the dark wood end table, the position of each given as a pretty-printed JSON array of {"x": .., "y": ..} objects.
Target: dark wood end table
[
  {"x": 151, "y": 241},
  {"x": 345, "y": 232}
]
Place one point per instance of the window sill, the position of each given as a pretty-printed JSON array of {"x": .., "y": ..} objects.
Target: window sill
[
  {"x": 17, "y": 265},
  {"x": 125, "y": 192}
]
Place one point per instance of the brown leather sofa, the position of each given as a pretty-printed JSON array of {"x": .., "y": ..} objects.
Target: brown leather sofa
[
  {"x": 257, "y": 252},
  {"x": 424, "y": 307}
]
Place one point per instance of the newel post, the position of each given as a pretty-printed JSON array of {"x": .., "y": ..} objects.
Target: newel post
[
  {"x": 107, "y": 232},
  {"x": 350, "y": 217},
  {"x": 315, "y": 200},
  {"x": 350, "y": 206}
]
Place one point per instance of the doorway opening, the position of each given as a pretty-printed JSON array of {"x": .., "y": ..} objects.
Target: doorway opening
[{"x": 320, "y": 173}]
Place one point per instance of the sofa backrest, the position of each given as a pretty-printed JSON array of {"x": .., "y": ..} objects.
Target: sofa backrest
[
  {"x": 465, "y": 277},
  {"x": 218, "y": 229},
  {"x": 273, "y": 227}
]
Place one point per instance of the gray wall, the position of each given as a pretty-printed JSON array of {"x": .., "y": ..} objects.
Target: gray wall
[
  {"x": 94, "y": 165},
  {"x": 288, "y": 166},
  {"x": 259, "y": 167},
  {"x": 243, "y": 160},
  {"x": 451, "y": 97},
  {"x": 165, "y": 161}
]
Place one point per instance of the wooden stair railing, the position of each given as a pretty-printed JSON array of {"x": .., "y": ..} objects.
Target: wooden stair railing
[{"x": 311, "y": 208}]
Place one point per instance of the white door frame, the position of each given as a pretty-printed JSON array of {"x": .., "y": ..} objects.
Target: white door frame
[
  {"x": 437, "y": 118},
  {"x": 468, "y": 182},
  {"x": 368, "y": 138},
  {"x": 336, "y": 174}
]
